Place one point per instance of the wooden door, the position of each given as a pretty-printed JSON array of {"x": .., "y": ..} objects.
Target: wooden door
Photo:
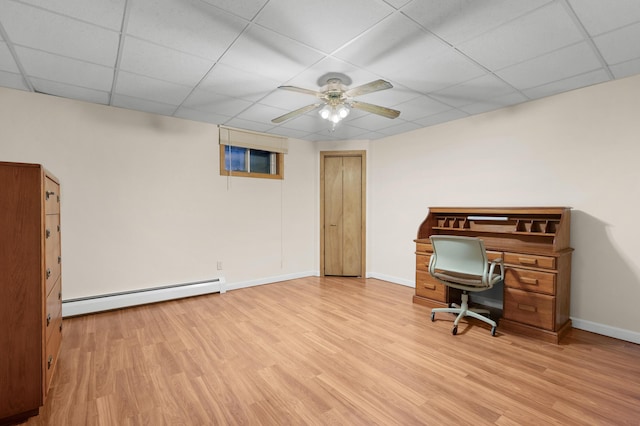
[{"x": 342, "y": 203}]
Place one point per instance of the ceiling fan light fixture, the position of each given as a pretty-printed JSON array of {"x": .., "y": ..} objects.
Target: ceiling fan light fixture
[
  {"x": 325, "y": 112},
  {"x": 343, "y": 111}
]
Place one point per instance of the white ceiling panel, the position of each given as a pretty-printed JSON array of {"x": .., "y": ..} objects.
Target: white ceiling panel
[
  {"x": 151, "y": 89},
  {"x": 32, "y": 27},
  {"x": 226, "y": 80},
  {"x": 65, "y": 70},
  {"x": 395, "y": 44},
  {"x": 270, "y": 55},
  {"x": 599, "y": 16},
  {"x": 486, "y": 87},
  {"x": 246, "y": 9},
  {"x": 204, "y": 100},
  {"x": 325, "y": 25},
  {"x": 105, "y": 13},
  {"x": 7, "y": 63},
  {"x": 191, "y": 26},
  {"x": 128, "y": 102},
  {"x": 574, "y": 82},
  {"x": 615, "y": 46},
  {"x": 70, "y": 91},
  {"x": 142, "y": 57},
  {"x": 12, "y": 81},
  {"x": 531, "y": 35},
  {"x": 221, "y": 61},
  {"x": 459, "y": 20},
  {"x": 558, "y": 65}
]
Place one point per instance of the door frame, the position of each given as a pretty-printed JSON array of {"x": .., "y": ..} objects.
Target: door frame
[{"x": 363, "y": 222}]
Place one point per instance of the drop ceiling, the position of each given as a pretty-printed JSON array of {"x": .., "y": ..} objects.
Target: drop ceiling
[{"x": 221, "y": 61}]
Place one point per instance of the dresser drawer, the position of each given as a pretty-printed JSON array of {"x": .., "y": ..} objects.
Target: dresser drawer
[
  {"x": 529, "y": 308},
  {"x": 527, "y": 279},
  {"x": 534, "y": 261},
  {"x": 54, "y": 308},
  {"x": 52, "y": 250},
  {"x": 427, "y": 286},
  {"x": 51, "y": 196},
  {"x": 52, "y": 351}
]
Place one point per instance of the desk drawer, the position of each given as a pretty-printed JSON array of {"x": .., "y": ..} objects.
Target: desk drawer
[
  {"x": 427, "y": 286},
  {"x": 529, "y": 308},
  {"x": 422, "y": 263},
  {"x": 526, "y": 279},
  {"x": 531, "y": 260}
]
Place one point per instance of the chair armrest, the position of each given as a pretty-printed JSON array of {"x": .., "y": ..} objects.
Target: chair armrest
[{"x": 497, "y": 262}]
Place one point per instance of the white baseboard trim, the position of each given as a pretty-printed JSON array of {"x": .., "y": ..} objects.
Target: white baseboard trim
[
  {"x": 107, "y": 302},
  {"x": 394, "y": 280},
  {"x": 606, "y": 330}
]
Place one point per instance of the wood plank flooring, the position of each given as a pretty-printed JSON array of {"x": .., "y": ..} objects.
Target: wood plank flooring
[{"x": 340, "y": 351}]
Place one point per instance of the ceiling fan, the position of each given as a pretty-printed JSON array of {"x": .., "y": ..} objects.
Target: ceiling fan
[{"x": 336, "y": 101}]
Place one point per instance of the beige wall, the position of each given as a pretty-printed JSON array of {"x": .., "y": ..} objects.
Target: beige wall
[
  {"x": 144, "y": 204},
  {"x": 580, "y": 149}
]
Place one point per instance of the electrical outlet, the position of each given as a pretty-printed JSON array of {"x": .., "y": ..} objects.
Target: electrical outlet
[{"x": 219, "y": 265}]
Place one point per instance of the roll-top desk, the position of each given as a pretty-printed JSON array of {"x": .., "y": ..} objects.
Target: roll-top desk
[{"x": 534, "y": 243}]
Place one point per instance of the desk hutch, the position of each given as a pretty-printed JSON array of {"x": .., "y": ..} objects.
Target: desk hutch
[{"x": 534, "y": 244}]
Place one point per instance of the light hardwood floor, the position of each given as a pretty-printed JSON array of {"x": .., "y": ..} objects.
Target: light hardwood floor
[{"x": 329, "y": 351}]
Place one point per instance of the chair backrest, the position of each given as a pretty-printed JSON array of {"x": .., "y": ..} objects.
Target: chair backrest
[{"x": 460, "y": 255}]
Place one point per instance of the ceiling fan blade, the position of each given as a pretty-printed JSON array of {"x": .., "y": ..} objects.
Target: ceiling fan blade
[
  {"x": 295, "y": 113},
  {"x": 301, "y": 90},
  {"x": 375, "y": 109},
  {"x": 374, "y": 86}
]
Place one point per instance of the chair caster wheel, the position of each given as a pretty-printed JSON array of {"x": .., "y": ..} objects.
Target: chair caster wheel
[
  {"x": 454, "y": 330},
  {"x": 493, "y": 331},
  {"x": 433, "y": 316}
]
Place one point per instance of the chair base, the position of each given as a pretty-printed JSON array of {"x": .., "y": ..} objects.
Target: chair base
[{"x": 464, "y": 311}]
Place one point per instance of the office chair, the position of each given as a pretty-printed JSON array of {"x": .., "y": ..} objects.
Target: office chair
[{"x": 461, "y": 262}]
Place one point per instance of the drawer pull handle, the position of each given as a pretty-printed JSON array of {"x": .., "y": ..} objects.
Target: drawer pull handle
[
  {"x": 49, "y": 362},
  {"x": 529, "y": 281},
  {"x": 60, "y": 327},
  {"x": 59, "y": 259},
  {"x": 48, "y": 320},
  {"x": 48, "y": 272},
  {"x": 429, "y": 286},
  {"x": 528, "y": 308},
  {"x": 59, "y": 295},
  {"x": 47, "y": 233},
  {"x": 528, "y": 261}
]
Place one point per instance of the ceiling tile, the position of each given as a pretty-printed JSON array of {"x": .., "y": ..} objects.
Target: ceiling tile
[
  {"x": 444, "y": 70},
  {"x": 226, "y": 80},
  {"x": 105, "y": 13},
  {"x": 189, "y": 26},
  {"x": 316, "y": 75},
  {"x": 599, "y": 16},
  {"x": 142, "y": 57},
  {"x": 420, "y": 107},
  {"x": 574, "y": 82},
  {"x": 138, "y": 86},
  {"x": 486, "y": 87},
  {"x": 615, "y": 46},
  {"x": 459, "y": 20},
  {"x": 399, "y": 128},
  {"x": 397, "y": 3},
  {"x": 269, "y": 54},
  {"x": 491, "y": 104},
  {"x": 261, "y": 113},
  {"x": 13, "y": 81},
  {"x": 442, "y": 117},
  {"x": 289, "y": 100},
  {"x": 36, "y": 28},
  {"x": 239, "y": 123},
  {"x": 372, "y": 122},
  {"x": 204, "y": 100},
  {"x": 626, "y": 69},
  {"x": 290, "y": 133},
  {"x": 541, "y": 31},
  {"x": 396, "y": 44},
  {"x": 65, "y": 70},
  {"x": 197, "y": 115},
  {"x": 310, "y": 122},
  {"x": 7, "y": 63},
  {"x": 70, "y": 91},
  {"x": 246, "y": 9},
  {"x": 128, "y": 102},
  {"x": 558, "y": 65},
  {"x": 325, "y": 25}
]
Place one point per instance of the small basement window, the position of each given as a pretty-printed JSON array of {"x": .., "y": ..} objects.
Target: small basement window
[{"x": 251, "y": 154}]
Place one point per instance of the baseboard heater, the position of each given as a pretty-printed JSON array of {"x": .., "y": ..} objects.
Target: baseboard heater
[{"x": 106, "y": 302}]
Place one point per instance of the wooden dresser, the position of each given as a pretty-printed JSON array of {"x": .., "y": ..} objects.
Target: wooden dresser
[
  {"x": 30, "y": 283},
  {"x": 534, "y": 243}
]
